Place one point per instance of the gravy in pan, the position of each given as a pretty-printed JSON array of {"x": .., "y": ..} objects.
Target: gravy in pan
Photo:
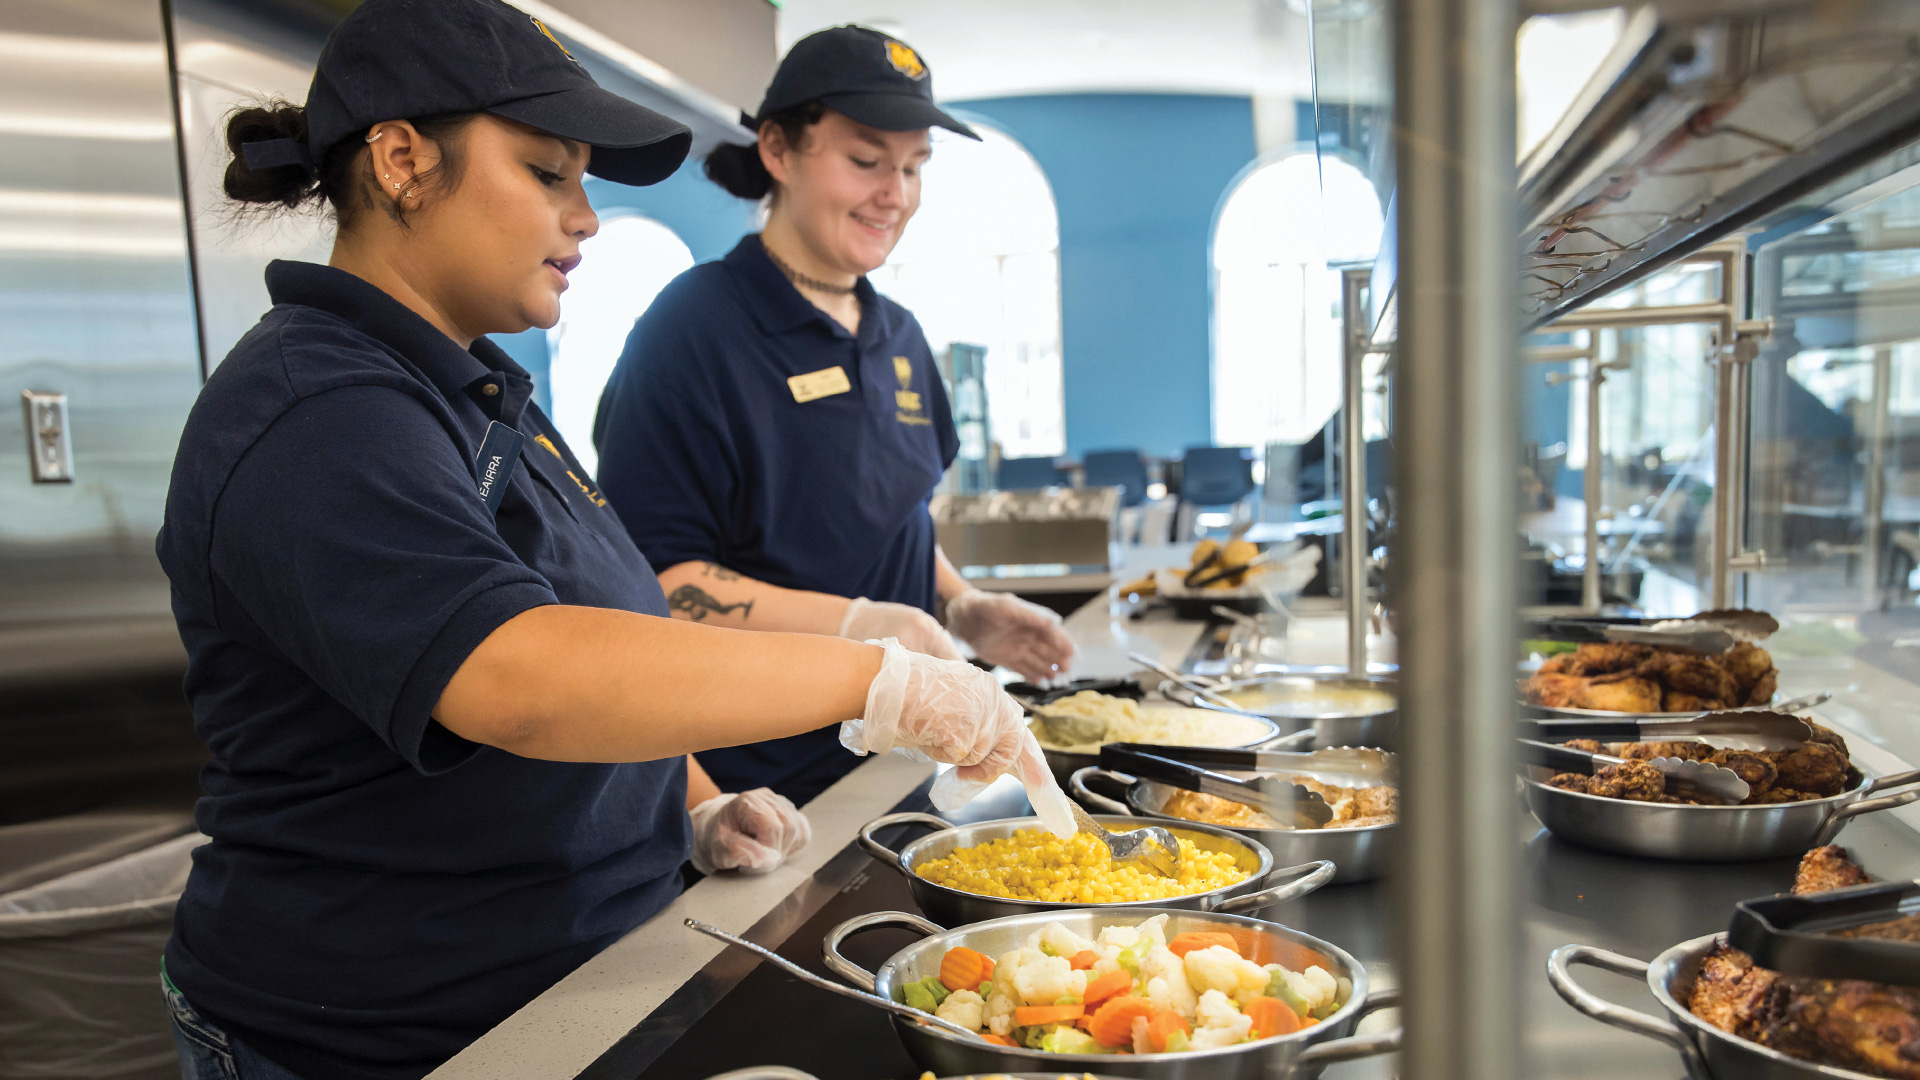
[{"x": 1311, "y": 699}]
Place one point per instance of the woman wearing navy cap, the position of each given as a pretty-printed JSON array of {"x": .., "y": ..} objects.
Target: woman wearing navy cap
[
  {"x": 448, "y": 717},
  {"x": 775, "y": 428}
]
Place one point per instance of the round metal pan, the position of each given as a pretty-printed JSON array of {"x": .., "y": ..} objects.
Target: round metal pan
[
  {"x": 1710, "y": 833},
  {"x": 951, "y": 907},
  {"x": 1378, "y": 728},
  {"x": 1302, "y": 1054},
  {"x": 1707, "y": 1052},
  {"x": 1357, "y": 854},
  {"x": 1065, "y": 763}
]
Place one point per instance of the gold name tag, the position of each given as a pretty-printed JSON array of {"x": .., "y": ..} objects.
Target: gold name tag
[{"x": 818, "y": 384}]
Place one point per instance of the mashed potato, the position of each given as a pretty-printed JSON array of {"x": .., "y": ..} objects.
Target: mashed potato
[{"x": 1128, "y": 721}]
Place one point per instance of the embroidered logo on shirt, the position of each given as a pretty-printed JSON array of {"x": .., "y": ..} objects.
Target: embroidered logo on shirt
[
  {"x": 907, "y": 401},
  {"x": 905, "y": 60},
  {"x": 592, "y": 495}
]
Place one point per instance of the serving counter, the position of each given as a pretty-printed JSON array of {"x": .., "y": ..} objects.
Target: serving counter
[{"x": 666, "y": 1003}]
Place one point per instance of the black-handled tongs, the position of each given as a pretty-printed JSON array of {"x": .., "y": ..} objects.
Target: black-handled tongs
[
  {"x": 1796, "y": 935},
  {"x": 1288, "y": 804},
  {"x": 1735, "y": 729}
]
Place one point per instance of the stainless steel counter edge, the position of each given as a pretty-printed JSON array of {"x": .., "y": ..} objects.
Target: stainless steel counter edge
[{"x": 562, "y": 1031}]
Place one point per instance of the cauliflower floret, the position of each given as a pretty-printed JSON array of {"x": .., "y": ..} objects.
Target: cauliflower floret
[
  {"x": 1219, "y": 1023},
  {"x": 1140, "y": 1043},
  {"x": 1042, "y": 980},
  {"x": 1000, "y": 1012},
  {"x": 1155, "y": 930},
  {"x": 964, "y": 1007},
  {"x": 1109, "y": 961},
  {"x": 1217, "y": 967},
  {"x": 1064, "y": 941},
  {"x": 1009, "y": 965},
  {"x": 1315, "y": 986},
  {"x": 1077, "y": 984},
  {"x": 1117, "y": 937},
  {"x": 1165, "y": 979}
]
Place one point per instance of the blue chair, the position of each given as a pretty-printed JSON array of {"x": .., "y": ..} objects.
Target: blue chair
[
  {"x": 1023, "y": 473},
  {"x": 1216, "y": 475},
  {"x": 1124, "y": 469}
]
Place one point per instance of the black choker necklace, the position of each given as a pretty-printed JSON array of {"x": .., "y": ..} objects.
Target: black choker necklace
[{"x": 803, "y": 280}]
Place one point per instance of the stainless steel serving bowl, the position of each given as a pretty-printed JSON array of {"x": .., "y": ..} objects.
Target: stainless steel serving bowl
[
  {"x": 1065, "y": 763},
  {"x": 1710, "y": 833},
  {"x": 1330, "y": 727},
  {"x": 1302, "y": 1054},
  {"x": 951, "y": 907},
  {"x": 1708, "y": 1052},
  {"x": 1357, "y": 853}
]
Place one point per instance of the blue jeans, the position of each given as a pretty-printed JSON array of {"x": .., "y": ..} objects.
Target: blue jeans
[{"x": 206, "y": 1052}]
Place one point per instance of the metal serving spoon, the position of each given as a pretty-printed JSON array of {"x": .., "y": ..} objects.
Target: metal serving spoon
[{"x": 1151, "y": 847}]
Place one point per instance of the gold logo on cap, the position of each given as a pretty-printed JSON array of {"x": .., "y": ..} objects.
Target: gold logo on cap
[
  {"x": 904, "y": 60},
  {"x": 542, "y": 27}
]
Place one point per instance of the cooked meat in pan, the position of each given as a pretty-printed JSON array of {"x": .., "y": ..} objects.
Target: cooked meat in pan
[
  {"x": 1635, "y": 780},
  {"x": 1826, "y": 868},
  {"x": 1816, "y": 769},
  {"x": 1642, "y": 678}
]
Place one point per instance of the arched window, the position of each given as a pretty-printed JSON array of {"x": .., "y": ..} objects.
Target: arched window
[
  {"x": 980, "y": 264},
  {"x": 1276, "y": 323},
  {"x": 621, "y": 269}
]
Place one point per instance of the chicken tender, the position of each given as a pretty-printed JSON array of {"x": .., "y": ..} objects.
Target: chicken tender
[
  {"x": 1619, "y": 694},
  {"x": 1826, "y": 868},
  {"x": 1635, "y": 780},
  {"x": 1816, "y": 766},
  {"x": 1570, "y": 781},
  {"x": 1755, "y": 769}
]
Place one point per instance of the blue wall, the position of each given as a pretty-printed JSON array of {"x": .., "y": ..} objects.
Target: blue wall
[
  {"x": 1137, "y": 179},
  {"x": 709, "y": 220}
]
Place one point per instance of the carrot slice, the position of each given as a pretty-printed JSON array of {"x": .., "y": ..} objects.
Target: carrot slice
[
  {"x": 1162, "y": 1026},
  {"x": 1182, "y": 944},
  {"x": 963, "y": 969},
  {"x": 1102, "y": 987},
  {"x": 1083, "y": 959},
  {"x": 1271, "y": 1016},
  {"x": 1035, "y": 1015},
  {"x": 1113, "y": 1022},
  {"x": 998, "y": 1040}
]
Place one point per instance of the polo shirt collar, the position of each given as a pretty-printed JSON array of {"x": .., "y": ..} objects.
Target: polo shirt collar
[
  {"x": 452, "y": 370},
  {"x": 776, "y": 305}
]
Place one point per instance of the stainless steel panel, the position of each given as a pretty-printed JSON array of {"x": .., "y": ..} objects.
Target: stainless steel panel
[{"x": 95, "y": 304}]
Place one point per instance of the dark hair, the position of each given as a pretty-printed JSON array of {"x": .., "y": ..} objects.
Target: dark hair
[
  {"x": 342, "y": 179},
  {"x": 738, "y": 169}
]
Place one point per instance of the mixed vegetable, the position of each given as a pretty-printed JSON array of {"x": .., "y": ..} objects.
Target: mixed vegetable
[{"x": 1132, "y": 990}]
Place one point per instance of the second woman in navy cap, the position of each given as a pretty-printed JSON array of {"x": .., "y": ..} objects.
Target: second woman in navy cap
[{"x": 775, "y": 428}]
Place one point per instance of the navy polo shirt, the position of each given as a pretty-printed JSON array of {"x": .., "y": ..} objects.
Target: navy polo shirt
[
  {"x": 708, "y": 452},
  {"x": 379, "y": 891}
]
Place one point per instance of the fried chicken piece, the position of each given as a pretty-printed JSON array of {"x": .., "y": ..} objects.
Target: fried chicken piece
[
  {"x": 1858, "y": 1025},
  {"x": 1816, "y": 766},
  {"x": 1827, "y": 735},
  {"x": 1633, "y": 780},
  {"x": 1826, "y": 868},
  {"x": 1553, "y": 691},
  {"x": 1736, "y": 997},
  {"x": 1374, "y": 819},
  {"x": 1755, "y": 769},
  {"x": 1590, "y": 746},
  {"x": 1604, "y": 658},
  {"x": 1690, "y": 673},
  {"x": 1558, "y": 665},
  {"x": 1777, "y": 794},
  {"x": 1382, "y": 801},
  {"x": 1647, "y": 751},
  {"x": 1747, "y": 663},
  {"x": 1620, "y": 694},
  {"x": 1570, "y": 781},
  {"x": 1762, "y": 692},
  {"x": 1680, "y": 701}
]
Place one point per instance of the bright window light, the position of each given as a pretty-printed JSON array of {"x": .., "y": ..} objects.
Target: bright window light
[{"x": 621, "y": 269}]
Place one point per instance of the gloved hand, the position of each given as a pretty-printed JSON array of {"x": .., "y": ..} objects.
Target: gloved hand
[
  {"x": 1004, "y": 629},
  {"x": 752, "y": 832},
  {"x": 949, "y": 710},
  {"x": 870, "y": 620}
]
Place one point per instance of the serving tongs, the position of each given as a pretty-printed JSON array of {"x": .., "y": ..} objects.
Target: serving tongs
[
  {"x": 1289, "y": 805},
  {"x": 1195, "y": 573},
  {"x": 1798, "y": 935},
  {"x": 1735, "y": 729},
  {"x": 798, "y": 972},
  {"x": 1695, "y": 776},
  {"x": 1342, "y": 766}
]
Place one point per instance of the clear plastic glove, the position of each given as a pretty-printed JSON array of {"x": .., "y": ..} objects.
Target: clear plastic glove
[
  {"x": 752, "y": 832},
  {"x": 1004, "y": 629},
  {"x": 951, "y": 711},
  {"x": 872, "y": 620}
]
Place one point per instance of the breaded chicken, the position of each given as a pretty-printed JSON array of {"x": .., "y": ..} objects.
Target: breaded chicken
[
  {"x": 1681, "y": 701},
  {"x": 1590, "y": 746},
  {"x": 1826, "y": 868},
  {"x": 1570, "y": 781},
  {"x": 1691, "y": 674},
  {"x": 1684, "y": 751},
  {"x": 1816, "y": 766},
  {"x": 1635, "y": 780},
  {"x": 1620, "y": 694},
  {"x": 1605, "y": 658},
  {"x": 1747, "y": 663},
  {"x": 1755, "y": 769}
]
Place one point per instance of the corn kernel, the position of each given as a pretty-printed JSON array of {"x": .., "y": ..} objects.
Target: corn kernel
[{"x": 1036, "y": 865}]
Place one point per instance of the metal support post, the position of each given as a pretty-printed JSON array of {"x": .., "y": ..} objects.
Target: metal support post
[
  {"x": 1456, "y": 452},
  {"x": 1876, "y": 488},
  {"x": 1355, "y": 545}
]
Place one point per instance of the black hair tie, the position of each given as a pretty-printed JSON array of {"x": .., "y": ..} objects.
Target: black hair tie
[{"x": 277, "y": 153}]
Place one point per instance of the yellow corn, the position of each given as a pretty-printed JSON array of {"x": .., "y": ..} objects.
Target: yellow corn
[{"x": 1033, "y": 864}]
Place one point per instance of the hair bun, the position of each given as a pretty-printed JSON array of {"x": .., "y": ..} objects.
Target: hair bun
[
  {"x": 739, "y": 171},
  {"x": 288, "y": 185}
]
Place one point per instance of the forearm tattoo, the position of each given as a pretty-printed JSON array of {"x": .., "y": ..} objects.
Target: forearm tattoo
[
  {"x": 698, "y": 603},
  {"x": 715, "y": 570}
]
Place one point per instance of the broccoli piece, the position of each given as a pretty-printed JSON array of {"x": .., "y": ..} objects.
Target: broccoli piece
[{"x": 927, "y": 994}]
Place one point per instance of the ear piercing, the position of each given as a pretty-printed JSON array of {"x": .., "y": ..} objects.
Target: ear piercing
[{"x": 377, "y": 132}]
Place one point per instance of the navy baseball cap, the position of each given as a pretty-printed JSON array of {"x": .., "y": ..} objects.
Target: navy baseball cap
[
  {"x": 398, "y": 59},
  {"x": 863, "y": 74}
]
